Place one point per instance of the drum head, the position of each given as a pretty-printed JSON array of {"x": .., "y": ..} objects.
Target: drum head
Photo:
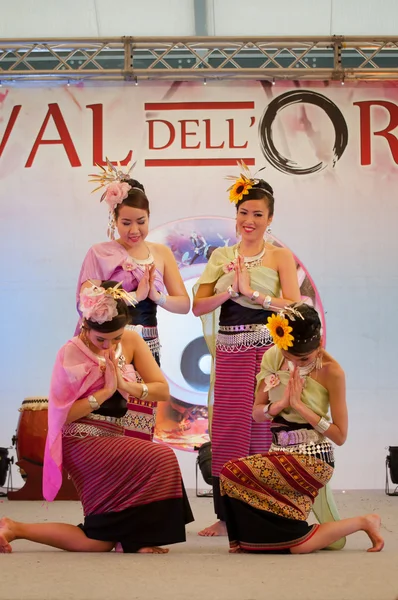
[{"x": 35, "y": 403}]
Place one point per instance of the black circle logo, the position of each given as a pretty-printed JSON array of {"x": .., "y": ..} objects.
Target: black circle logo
[{"x": 275, "y": 158}]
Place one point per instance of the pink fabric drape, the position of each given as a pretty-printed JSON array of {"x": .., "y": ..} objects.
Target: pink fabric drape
[
  {"x": 76, "y": 375},
  {"x": 111, "y": 261}
]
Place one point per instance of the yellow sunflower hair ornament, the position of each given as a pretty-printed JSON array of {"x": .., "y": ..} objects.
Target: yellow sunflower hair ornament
[
  {"x": 279, "y": 328},
  {"x": 243, "y": 183}
]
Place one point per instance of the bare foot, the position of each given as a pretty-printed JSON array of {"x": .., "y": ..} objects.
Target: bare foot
[
  {"x": 6, "y": 535},
  {"x": 372, "y": 528},
  {"x": 235, "y": 550},
  {"x": 219, "y": 528},
  {"x": 153, "y": 550},
  {"x": 118, "y": 547}
]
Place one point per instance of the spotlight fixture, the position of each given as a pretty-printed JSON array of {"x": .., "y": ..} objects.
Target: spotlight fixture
[{"x": 392, "y": 466}]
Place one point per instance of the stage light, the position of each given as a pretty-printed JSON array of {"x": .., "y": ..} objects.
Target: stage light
[
  {"x": 204, "y": 81},
  {"x": 392, "y": 466},
  {"x": 5, "y": 469},
  {"x": 203, "y": 462},
  {"x": 136, "y": 81},
  {"x": 273, "y": 81}
]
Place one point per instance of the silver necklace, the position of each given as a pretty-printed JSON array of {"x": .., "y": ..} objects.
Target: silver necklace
[
  {"x": 149, "y": 260},
  {"x": 251, "y": 261},
  {"x": 303, "y": 371}
]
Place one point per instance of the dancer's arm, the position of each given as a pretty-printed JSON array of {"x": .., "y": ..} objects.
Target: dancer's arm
[
  {"x": 262, "y": 399},
  {"x": 177, "y": 299},
  {"x": 287, "y": 276},
  {"x": 337, "y": 432},
  {"x": 206, "y": 300},
  {"x": 81, "y": 408},
  {"x": 139, "y": 353}
]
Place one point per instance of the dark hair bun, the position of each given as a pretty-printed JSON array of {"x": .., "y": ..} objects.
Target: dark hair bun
[
  {"x": 309, "y": 324},
  {"x": 264, "y": 185},
  {"x": 306, "y": 331},
  {"x": 135, "y": 184}
]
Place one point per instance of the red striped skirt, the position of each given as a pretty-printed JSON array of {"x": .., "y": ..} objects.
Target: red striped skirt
[
  {"x": 233, "y": 432},
  {"x": 123, "y": 482}
]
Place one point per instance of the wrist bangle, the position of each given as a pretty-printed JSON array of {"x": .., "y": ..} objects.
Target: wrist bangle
[
  {"x": 266, "y": 411},
  {"x": 323, "y": 425},
  {"x": 145, "y": 391},
  {"x": 267, "y": 302},
  {"x": 254, "y": 296},
  {"x": 92, "y": 400},
  {"x": 161, "y": 301},
  {"x": 231, "y": 292}
]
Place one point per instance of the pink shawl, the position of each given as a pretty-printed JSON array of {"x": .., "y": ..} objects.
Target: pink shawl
[
  {"x": 76, "y": 375},
  {"x": 110, "y": 261}
]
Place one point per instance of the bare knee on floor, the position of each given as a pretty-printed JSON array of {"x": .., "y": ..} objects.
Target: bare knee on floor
[
  {"x": 96, "y": 546},
  {"x": 302, "y": 549}
]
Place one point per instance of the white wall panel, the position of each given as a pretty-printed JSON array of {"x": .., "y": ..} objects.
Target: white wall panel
[
  {"x": 152, "y": 17},
  {"x": 96, "y": 18},
  {"x": 93, "y": 18},
  {"x": 364, "y": 17},
  {"x": 259, "y": 17},
  {"x": 44, "y": 18}
]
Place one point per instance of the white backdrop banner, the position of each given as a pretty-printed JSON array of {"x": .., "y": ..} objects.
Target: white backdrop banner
[{"x": 329, "y": 151}]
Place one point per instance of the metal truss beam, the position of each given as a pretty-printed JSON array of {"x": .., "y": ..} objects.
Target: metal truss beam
[{"x": 180, "y": 59}]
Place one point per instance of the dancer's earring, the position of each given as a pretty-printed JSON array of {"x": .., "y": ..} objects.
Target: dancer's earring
[
  {"x": 111, "y": 226},
  {"x": 318, "y": 360}
]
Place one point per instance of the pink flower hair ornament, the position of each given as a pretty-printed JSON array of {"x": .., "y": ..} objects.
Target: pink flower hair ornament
[
  {"x": 114, "y": 181},
  {"x": 99, "y": 304}
]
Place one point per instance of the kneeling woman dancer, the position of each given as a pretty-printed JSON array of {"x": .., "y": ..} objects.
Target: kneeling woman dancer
[
  {"x": 268, "y": 497},
  {"x": 131, "y": 490}
]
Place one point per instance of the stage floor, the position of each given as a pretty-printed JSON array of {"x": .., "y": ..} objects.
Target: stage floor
[{"x": 202, "y": 569}]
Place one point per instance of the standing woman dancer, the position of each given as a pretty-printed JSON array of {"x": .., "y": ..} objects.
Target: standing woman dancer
[
  {"x": 233, "y": 297},
  {"x": 145, "y": 269}
]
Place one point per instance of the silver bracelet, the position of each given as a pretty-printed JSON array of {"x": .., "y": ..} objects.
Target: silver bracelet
[
  {"x": 161, "y": 301},
  {"x": 145, "y": 391},
  {"x": 267, "y": 302},
  {"x": 92, "y": 400},
  {"x": 231, "y": 292},
  {"x": 266, "y": 411},
  {"x": 323, "y": 425}
]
